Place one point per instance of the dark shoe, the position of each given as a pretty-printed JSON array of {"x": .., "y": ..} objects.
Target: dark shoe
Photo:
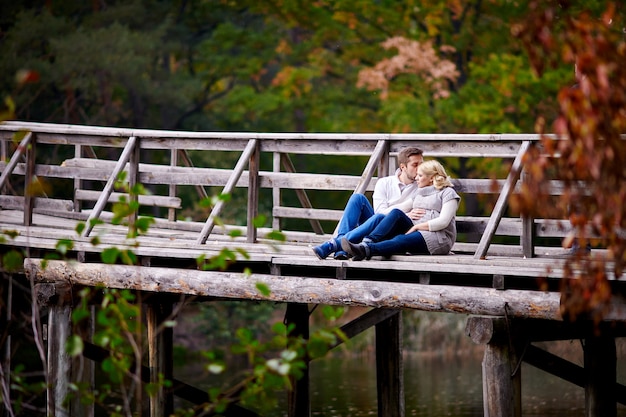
[
  {"x": 322, "y": 251},
  {"x": 358, "y": 251},
  {"x": 341, "y": 255},
  {"x": 577, "y": 250}
]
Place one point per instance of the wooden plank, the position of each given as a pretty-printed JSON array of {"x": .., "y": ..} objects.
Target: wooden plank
[
  {"x": 144, "y": 200},
  {"x": 53, "y": 204}
]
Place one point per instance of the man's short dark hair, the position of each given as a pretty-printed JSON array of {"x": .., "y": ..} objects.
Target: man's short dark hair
[{"x": 406, "y": 153}]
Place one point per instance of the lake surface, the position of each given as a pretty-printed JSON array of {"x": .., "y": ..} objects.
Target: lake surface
[{"x": 434, "y": 387}]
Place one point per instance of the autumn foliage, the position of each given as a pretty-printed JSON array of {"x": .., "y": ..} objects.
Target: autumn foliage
[
  {"x": 412, "y": 57},
  {"x": 587, "y": 147}
]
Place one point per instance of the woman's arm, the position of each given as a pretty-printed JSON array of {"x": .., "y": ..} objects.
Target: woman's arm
[{"x": 448, "y": 211}]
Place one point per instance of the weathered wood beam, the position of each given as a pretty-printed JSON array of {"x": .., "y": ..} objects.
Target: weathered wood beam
[
  {"x": 566, "y": 370},
  {"x": 482, "y": 330},
  {"x": 439, "y": 298},
  {"x": 365, "y": 322}
]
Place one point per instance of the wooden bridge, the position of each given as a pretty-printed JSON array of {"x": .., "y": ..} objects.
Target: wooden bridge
[{"x": 504, "y": 273}]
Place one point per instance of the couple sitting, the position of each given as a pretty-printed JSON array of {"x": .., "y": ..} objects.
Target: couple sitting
[{"x": 420, "y": 218}]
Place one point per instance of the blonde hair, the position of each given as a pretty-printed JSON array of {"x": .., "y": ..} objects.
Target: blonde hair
[{"x": 434, "y": 169}]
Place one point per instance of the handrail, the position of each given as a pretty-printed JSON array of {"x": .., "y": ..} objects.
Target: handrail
[
  {"x": 378, "y": 147},
  {"x": 108, "y": 188},
  {"x": 228, "y": 188}
]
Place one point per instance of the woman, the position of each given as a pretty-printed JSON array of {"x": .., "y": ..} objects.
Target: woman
[{"x": 434, "y": 233}]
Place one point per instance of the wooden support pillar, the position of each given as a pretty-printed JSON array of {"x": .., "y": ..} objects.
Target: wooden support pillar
[
  {"x": 160, "y": 357},
  {"x": 389, "y": 368},
  {"x": 600, "y": 369},
  {"x": 7, "y": 294},
  {"x": 501, "y": 389},
  {"x": 61, "y": 368},
  {"x": 501, "y": 374},
  {"x": 299, "y": 401}
]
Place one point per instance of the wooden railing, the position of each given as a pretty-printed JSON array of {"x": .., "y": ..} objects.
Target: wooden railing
[{"x": 90, "y": 160}]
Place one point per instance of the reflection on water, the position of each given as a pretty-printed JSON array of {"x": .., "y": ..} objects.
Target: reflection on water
[{"x": 434, "y": 387}]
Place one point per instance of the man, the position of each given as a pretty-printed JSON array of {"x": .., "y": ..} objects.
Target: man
[{"x": 390, "y": 192}]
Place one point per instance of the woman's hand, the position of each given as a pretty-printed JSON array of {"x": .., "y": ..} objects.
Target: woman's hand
[
  {"x": 419, "y": 226},
  {"x": 416, "y": 213}
]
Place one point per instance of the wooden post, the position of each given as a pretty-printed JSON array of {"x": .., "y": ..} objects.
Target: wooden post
[
  {"x": 160, "y": 357},
  {"x": 528, "y": 229},
  {"x": 276, "y": 191},
  {"x": 501, "y": 376},
  {"x": 133, "y": 180},
  {"x": 501, "y": 389},
  {"x": 78, "y": 183},
  {"x": 600, "y": 364},
  {"x": 299, "y": 402},
  {"x": 389, "y": 369},
  {"x": 253, "y": 194},
  {"x": 171, "y": 212},
  {"x": 59, "y": 364},
  {"x": 6, "y": 359},
  {"x": 62, "y": 370},
  {"x": 29, "y": 179}
]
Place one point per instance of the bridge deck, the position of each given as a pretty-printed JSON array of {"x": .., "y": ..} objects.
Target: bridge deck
[{"x": 498, "y": 285}]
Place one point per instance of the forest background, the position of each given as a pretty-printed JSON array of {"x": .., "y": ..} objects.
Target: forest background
[{"x": 431, "y": 66}]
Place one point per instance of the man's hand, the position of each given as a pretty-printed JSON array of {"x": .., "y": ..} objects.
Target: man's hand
[{"x": 416, "y": 213}]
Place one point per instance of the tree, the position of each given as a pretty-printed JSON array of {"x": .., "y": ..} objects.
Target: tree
[{"x": 589, "y": 140}]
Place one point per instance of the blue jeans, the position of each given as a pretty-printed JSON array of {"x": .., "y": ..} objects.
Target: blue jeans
[
  {"x": 413, "y": 243},
  {"x": 387, "y": 235},
  {"x": 358, "y": 210}
]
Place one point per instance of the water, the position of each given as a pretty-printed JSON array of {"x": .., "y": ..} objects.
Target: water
[{"x": 434, "y": 387}]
